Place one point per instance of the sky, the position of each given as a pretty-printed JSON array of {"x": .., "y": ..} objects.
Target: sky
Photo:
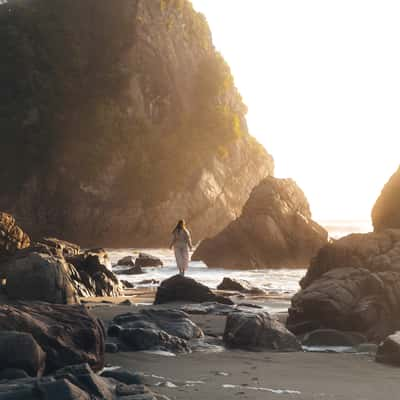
[{"x": 321, "y": 79}]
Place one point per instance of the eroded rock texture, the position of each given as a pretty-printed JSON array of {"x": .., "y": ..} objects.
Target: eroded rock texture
[{"x": 275, "y": 230}]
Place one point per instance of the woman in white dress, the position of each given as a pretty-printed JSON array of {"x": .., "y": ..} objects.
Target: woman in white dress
[{"x": 182, "y": 243}]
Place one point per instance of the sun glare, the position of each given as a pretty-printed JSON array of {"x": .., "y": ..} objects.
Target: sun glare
[{"x": 321, "y": 80}]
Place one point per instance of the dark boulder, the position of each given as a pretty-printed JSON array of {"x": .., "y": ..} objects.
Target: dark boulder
[
  {"x": 42, "y": 277},
  {"x": 124, "y": 375},
  {"x": 19, "y": 350},
  {"x": 111, "y": 347},
  {"x": 155, "y": 329},
  {"x": 255, "y": 331},
  {"x": 274, "y": 230},
  {"x": 94, "y": 277},
  {"x": 332, "y": 337},
  {"x": 61, "y": 389},
  {"x": 67, "y": 334},
  {"x": 239, "y": 286},
  {"x": 152, "y": 339},
  {"x": 147, "y": 260},
  {"x": 352, "y": 285},
  {"x": 174, "y": 322},
  {"x": 12, "y": 237},
  {"x": 127, "y": 261},
  {"x": 386, "y": 212},
  {"x": 83, "y": 377},
  {"x": 136, "y": 270},
  {"x": 12, "y": 374},
  {"x": 180, "y": 288},
  {"x": 127, "y": 284},
  {"x": 376, "y": 252},
  {"x": 348, "y": 299},
  {"x": 389, "y": 350}
]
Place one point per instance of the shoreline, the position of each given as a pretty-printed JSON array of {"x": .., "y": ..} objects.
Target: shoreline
[{"x": 257, "y": 375}]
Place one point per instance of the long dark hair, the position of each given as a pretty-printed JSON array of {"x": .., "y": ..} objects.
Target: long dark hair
[{"x": 179, "y": 226}]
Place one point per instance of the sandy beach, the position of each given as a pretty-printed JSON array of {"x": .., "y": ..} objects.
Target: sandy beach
[{"x": 228, "y": 374}]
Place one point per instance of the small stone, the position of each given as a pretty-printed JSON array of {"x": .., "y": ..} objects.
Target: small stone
[
  {"x": 125, "y": 376},
  {"x": 112, "y": 347}
]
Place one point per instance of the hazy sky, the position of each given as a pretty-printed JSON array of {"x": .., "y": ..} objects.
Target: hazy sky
[{"x": 321, "y": 79}]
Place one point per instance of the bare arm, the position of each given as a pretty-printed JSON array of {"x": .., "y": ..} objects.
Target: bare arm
[
  {"x": 189, "y": 240},
  {"x": 172, "y": 241}
]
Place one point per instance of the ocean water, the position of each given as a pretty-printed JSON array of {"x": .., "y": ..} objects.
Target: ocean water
[{"x": 280, "y": 282}]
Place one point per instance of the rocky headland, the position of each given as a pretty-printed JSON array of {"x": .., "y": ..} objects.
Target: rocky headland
[
  {"x": 119, "y": 119},
  {"x": 274, "y": 230}
]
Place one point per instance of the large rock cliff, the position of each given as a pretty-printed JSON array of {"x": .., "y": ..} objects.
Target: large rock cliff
[
  {"x": 275, "y": 230},
  {"x": 386, "y": 211},
  {"x": 117, "y": 119}
]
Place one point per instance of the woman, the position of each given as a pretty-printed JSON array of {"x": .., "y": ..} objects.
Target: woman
[{"x": 181, "y": 242}]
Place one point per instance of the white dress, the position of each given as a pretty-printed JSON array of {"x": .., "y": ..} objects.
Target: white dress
[{"x": 182, "y": 242}]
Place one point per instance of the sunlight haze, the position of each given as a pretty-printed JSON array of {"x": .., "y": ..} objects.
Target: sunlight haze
[{"x": 321, "y": 81}]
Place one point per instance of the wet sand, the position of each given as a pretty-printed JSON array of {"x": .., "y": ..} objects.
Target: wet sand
[
  {"x": 254, "y": 375},
  {"x": 261, "y": 375}
]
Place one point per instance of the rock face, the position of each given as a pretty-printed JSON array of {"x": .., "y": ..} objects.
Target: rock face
[
  {"x": 258, "y": 331},
  {"x": 386, "y": 212},
  {"x": 352, "y": 285},
  {"x": 56, "y": 271},
  {"x": 180, "y": 288},
  {"x": 19, "y": 350},
  {"x": 67, "y": 334},
  {"x": 158, "y": 87},
  {"x": 12, "y": 237},
  {"x": 275, "y": 230},
  {"x": 41, "y": 277}
]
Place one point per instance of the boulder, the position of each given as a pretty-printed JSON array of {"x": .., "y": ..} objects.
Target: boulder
[
  {"x": 275, "y": 230},
  {"x": 155, "y": 329},
  {"x": 389, "y": 350},
  {"x": 66, "y": 249},
  {"x": 180, "y": 288},
  {"x": 386, "y": 212},
  {"x": 61, "y": 389},
  {"x": 123, "y": 375},
  {"x": 19, "y": 350},
  {"x": 13, "y": 373},
  {"x": 136, "y": 270},
  {"x": 147, "y": 260},
  {"x": 42, "y": 277},
  {"x": 128, "y": 285},
  {"x": 12, "y": 237},
  {"x": 94, "y": 278},
  {"x": 352, "y": 285},
  {"x": 174, "y": 322},
  {"x": 348, "y": 299},
  {"x": 256, "y": 331},
  {"x": 83, "y": 377},
  {"x": 239, "y": 286},
  {"x": 127, "y": 261},
  {"x": 152, "y": 339},
  {"x": 67, "y": 334},
  {"x": 376, "y": 252},
  {"x": 332, "y": 337}
]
